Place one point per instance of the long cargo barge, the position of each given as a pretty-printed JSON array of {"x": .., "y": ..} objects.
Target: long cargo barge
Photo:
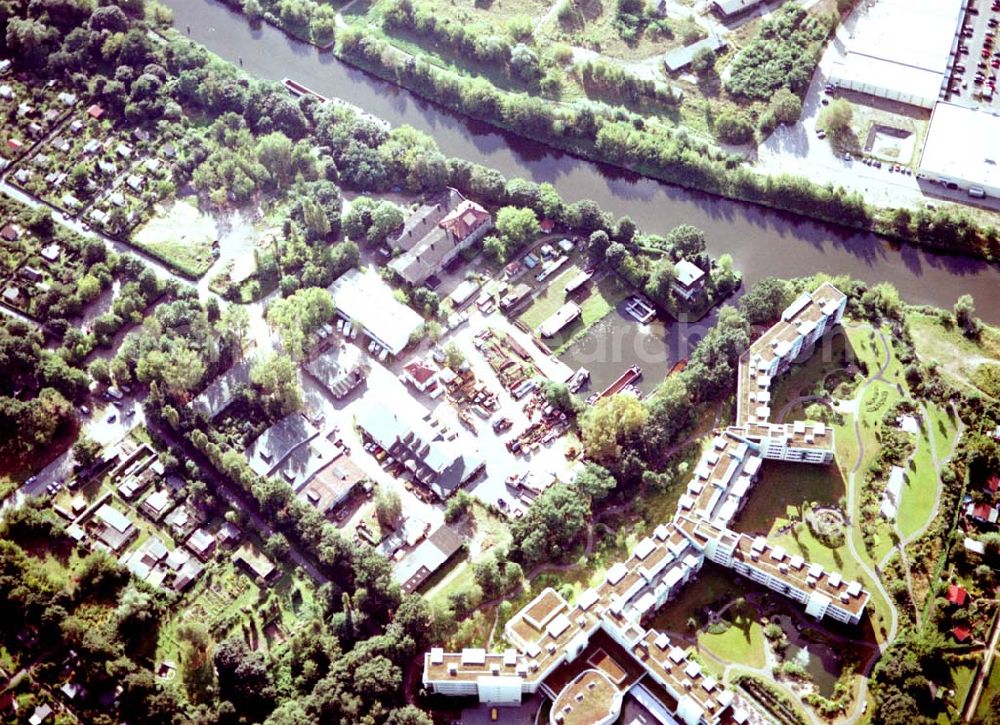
[{"x": 626, "y": 379}]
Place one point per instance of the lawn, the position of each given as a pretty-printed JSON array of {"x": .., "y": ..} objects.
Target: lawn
[
  {"x": 554, "y": 297},
  {"x": 713, "y": 585},
  {"x": 831, "y": 354},
  {"x": 445, "y": 583},
  {"x": 189, "y": 251},
  {"x": 866, "y": 346},
  {"x": 962, "y": 674},
  {"x": 919, "y": 491},
  {"x": 945, "y": 429},
  {"x": 990, "y": 690},
  {"x": 783, "y": 492},
  {"x": 741, "y": 643},
  {"x": 601, "y": 298}
]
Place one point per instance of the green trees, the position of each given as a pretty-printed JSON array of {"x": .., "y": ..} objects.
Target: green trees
[
  {"x": 670, "y": 413},
  {"x": 244, "y": 678},
  {"x": 965, "y": 317},
  {"x": 85, "y": 451},
  {"x": 594, "y": 481},
  {"x": 686, "y": 241},
  {"x": 783, "y": 54},
  {"x": 766, "y": 300},
  {"x": 733, "y": 126},
  {"x": 703, "y": 63},
  {"x": 388, "y": 507},
  {"x": 661, "y": 277},
  {"x": 516, "y": 226},
  {"x": 786, "y": 106},
  {"x": 296, "y": 317},
  {"x": 608, "y": 426},
  {"x": 836, "y": 120},
  {"x": 372, "y": 221},
  {"x": 277, "y": 378},
  {"x": 551, "y": 524},
  {"x": 495, "y": 575}
]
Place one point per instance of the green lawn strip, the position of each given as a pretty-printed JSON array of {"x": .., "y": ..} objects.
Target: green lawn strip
[
  {"x": 602, "y": 298},
  {"x": 919, "y": 491},
  {"x": 461, "y": 579},
  {"x": 945, "y": 430},
  {"x": 990, "y": 689},
  {"x": 962, "y": 675},
  {"x": 867, "y": 346}
]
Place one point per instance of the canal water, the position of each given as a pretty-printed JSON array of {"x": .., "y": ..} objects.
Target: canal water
[{"x": 762, "y": 242}]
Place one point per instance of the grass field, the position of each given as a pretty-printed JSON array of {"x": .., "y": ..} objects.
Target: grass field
[
  {"x": 962, "y": 675},
  {"x": 785, "y": 489},
  {"x": 713, "y": 584},
  {"x": 919, "y": 491},
  {"x": 181, "y": 235},
  {"x": 957, "y": 355},
  {"x": 945, "y": 429},
  {"x": 741, "y": 643},
  {"x": 599, "y": 300}
]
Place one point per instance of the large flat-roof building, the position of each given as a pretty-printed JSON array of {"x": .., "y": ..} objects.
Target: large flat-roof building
[
  {"x": 963, "y": 148},
  {"x": 901, "y": 50},
  {"x": 365, "y": 298},
  {"x": 599, "y": 640}
]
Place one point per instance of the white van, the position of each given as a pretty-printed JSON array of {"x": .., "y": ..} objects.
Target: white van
[{"x": 977, "y": 192}]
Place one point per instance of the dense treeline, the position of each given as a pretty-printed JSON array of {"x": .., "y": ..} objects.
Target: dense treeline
[{"x": 622, "y": 138}]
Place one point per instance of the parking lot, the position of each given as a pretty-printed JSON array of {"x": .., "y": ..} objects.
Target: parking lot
[{"x": 975, "y": 67}]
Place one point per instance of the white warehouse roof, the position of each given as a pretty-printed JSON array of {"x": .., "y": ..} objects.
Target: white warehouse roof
[
  {"x": 963, "y": 144},
  {"x": 365, "y": 297},
  {"x": 901, "y": 50}
]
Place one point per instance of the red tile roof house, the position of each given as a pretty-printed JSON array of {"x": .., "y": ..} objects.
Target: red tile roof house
[
  {"x": 956, "y": 595},
  {"x": 436, "y": 234},
  {"x": 95, "y": 111},
  {"x": 960, "y": 632},
  {"x": 421, "y": 375},
  {"x": 993, "y": 483},
  {"x": 982, "y": 512}
]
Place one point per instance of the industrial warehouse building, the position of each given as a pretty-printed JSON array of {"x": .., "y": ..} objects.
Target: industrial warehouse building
[
  {"x": 963, "y": 148},
  {"x": 901, "y": 50}
]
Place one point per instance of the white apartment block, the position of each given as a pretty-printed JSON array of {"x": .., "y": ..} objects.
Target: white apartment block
[{"x": 563, "y": 650}]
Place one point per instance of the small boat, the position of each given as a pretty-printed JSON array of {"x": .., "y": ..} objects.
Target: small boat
[{"x": 678, "y": 367}]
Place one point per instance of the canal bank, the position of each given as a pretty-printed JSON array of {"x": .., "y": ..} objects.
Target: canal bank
[{"x": 762, "y": 242}]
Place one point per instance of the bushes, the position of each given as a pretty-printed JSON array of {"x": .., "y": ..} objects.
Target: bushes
[
  {"x": 734, "y": 127},
  {"x": 783, "y": 54}
]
